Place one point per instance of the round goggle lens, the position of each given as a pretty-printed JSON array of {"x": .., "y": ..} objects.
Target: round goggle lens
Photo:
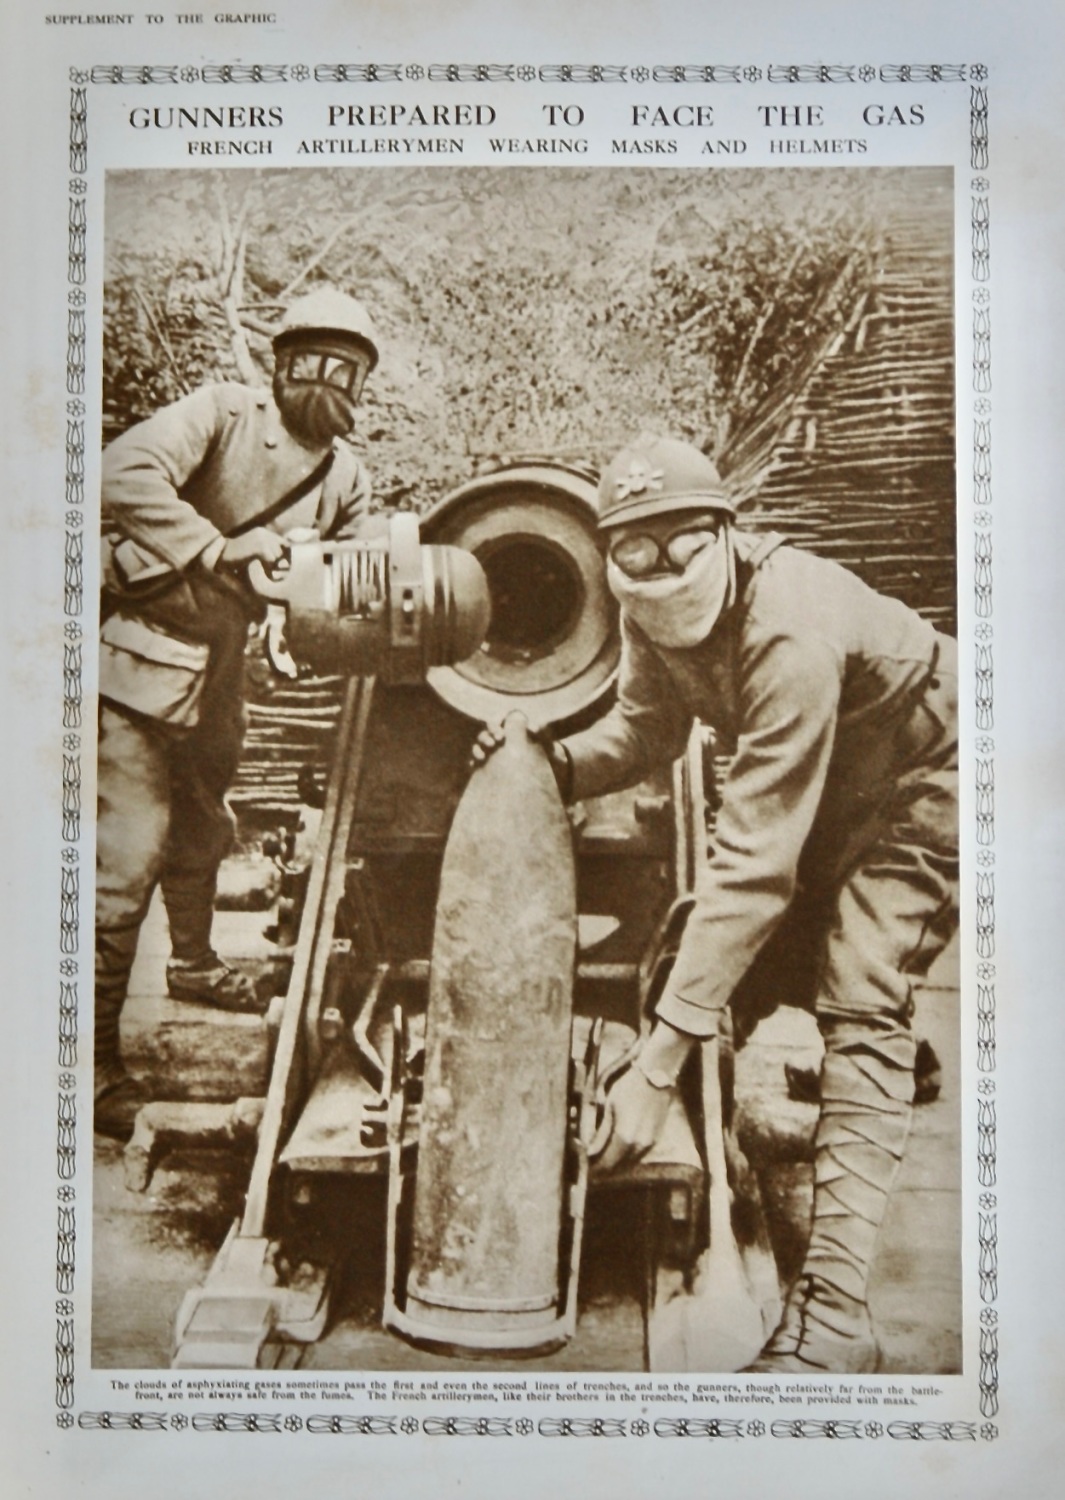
[
  {"x": 338, "y": 372},
  {"x": 304, "y": 366},
  {"x": 682, "y": 547},
  {"x": 641, "y": 555},
  {"x": 636, "y": 555}
]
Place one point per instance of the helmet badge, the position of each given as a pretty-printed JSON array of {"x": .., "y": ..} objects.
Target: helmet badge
[{"x": 640, "y": 480}]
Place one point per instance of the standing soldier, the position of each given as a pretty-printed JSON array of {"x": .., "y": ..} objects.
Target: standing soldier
[
  {"x": 838, "y": 826},
  {"x": 192, "y": 496}
]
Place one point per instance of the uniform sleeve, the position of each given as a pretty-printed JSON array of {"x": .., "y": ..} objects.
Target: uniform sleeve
[
  {"x": 355, "y": 493},
  {"x": 648, "y": 726},
  {"x": 145, "y": 468},
  {"x": 789, "y": 705}
]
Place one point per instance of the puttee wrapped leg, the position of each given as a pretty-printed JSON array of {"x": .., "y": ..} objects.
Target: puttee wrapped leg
[
  {"x": 896, "y": 911},
  {"x": 116, "y": 1095},
  {"x": 865, "y": 1122},
  {"x": 133, "y": 814}
]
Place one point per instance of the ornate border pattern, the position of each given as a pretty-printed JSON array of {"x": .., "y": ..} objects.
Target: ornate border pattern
[
  {"x": 987, "y": 1235},
  {"x": 335, "y": 1422},
  {"x": 71, "y": 823},
  {"x": 340, "y": 1425},
  {"x": 700, "y": 1427},
  {"x": 975, "y": 74},
  {"x": 984, "y": 692},
  {"x": 454, "y": 72}
]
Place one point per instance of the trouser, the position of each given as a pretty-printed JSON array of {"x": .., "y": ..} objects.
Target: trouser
[
  {"x": 877, "y": 898},
  {"x": 162, "y": 821},
  {"x": 877, "y": 905}
]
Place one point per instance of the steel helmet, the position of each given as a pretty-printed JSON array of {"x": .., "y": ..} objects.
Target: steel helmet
[
  {"x": 653, "y": 476},
  {"x": 327, "y": 311}
]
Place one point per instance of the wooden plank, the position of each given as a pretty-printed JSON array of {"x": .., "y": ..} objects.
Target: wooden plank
[{"x": 328, "y": 867}]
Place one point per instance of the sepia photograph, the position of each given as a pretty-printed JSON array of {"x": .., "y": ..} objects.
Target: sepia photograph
[
  {"x": 527, "y": 833},
  {"x": 527, "y": 975}
]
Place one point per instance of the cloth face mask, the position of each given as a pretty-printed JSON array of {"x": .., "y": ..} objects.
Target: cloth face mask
[{"x": 678, "y": 610}]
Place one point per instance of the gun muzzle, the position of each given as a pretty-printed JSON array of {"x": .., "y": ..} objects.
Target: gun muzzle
[
  {"x": 385, "y": 607},
  {"x": 552, "y": 647}
]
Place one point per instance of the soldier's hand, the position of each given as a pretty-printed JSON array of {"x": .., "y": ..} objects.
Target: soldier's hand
[
  {"x": 488, "y": 741},
  {"x": 637, "y": 1112},
  {"x": 493, "y": 735},
  {"x": 258, "y": 545}
]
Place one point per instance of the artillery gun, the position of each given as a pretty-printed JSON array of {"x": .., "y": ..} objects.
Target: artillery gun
[{"x": 470, "y": 967}]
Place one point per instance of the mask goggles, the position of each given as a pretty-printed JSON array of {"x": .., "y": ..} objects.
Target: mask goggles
[
  {"x": 642, "y": 555},
  {"x": 313, "y": 367}
]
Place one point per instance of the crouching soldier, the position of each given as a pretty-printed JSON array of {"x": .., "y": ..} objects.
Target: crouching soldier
[
  {"x": 838, "y": 824},
  {"x": 192, "y": 496}
]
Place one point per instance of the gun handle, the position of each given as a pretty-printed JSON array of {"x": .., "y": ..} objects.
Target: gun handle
[{"x": 274, "y": 589}]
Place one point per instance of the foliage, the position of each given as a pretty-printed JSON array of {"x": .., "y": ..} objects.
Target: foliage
[{"x": 521, "y": 310}]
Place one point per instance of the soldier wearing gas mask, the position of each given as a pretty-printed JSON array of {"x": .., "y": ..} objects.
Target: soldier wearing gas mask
[
  {"x": 836, "y": 837},
  {"x": 191, "y": 497}
]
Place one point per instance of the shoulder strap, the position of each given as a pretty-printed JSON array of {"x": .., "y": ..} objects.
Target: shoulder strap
[
  {"x": 769, "y": 543},
  {"x": 290, "y": 497},
  {"x": 345, "y": 494},
  {"x": 746, "y": 567}
]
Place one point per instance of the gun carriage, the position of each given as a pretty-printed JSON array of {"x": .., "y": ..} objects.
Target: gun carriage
[{"x": 468, "y": 971}]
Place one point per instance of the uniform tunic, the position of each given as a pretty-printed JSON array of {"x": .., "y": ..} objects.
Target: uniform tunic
[
  {"x": 840, "y": 705},
  {"x": 178, "y": 482},
  {"x": 174, "y": 486}
]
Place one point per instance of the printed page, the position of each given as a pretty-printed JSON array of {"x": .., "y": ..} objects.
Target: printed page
[{"x": 533, "y": 806}]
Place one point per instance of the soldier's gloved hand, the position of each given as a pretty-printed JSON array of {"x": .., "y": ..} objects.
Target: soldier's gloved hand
[
  {"x": 492, "y": 736},
  {"x": 258, "y": 545},
  {"x": 638, "y": 1102}
]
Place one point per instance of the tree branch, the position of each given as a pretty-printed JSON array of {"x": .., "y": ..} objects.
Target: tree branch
[
  {"x": 762, "y": 321},
  {"x": 256, "y": 325},
  {"x": 164, "y": 342},
  {"x": 320, "y": 254},
  {"x": 231, "y": 282}
]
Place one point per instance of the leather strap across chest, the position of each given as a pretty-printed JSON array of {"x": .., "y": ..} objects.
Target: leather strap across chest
[{"x": 289, "y": 498}]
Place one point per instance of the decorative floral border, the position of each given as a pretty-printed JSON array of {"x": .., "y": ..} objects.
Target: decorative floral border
[
  {"x": 375, "y": 72},
  {"x": 341, "y": 1425},
  {"x": 975, "y": 74}
]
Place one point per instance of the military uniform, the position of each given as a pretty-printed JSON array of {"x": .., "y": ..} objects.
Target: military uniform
[
  {"x": 179, "y": 482},
  {"x": 838, "y": 826},
  {"x": 840, "y": 705},
  {"x": 174, "y": 487}
]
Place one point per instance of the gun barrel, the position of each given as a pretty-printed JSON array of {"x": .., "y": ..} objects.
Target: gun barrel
[{"x": 552, "y": 647}]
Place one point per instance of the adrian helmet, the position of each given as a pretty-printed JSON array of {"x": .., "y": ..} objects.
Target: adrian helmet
[
  {"x": 653, "y": 476},
  {"x": 331, "y": 314}
]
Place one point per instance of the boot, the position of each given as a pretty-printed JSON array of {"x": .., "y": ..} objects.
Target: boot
[
  {"x": 195, "y": 972},
  {"x": 865, "y": 1120},
  {"x": 117, "y": 1096},
  {"x": 823, "y": 1331},
  {"x": 209, "y": 980}
]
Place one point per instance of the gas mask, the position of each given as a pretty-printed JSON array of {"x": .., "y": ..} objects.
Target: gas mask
[
  {"x": 679, "y": 608},
  {"x": 317, "y": 389}
]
